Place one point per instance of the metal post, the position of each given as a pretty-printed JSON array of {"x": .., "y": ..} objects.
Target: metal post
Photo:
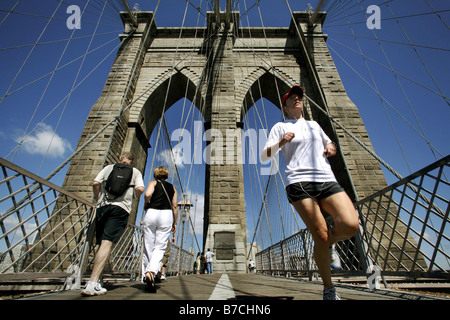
[
  {"x": 181, "y": 248},
  {"x": 228, "y": 13},
  {"x": 217, "y": 11},
  {"x": 184, "y": 209},
  {"x": 89, "y": 237}
]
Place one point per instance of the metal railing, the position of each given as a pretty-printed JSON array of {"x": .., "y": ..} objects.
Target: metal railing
[
  {"x": 126, "y": 257},
  {"x": 180, "y": 261},
  {"x": 47, "y": 233},
  {"x": 291, "y": 255},
  {"x": 404, "y": 230},
  {"x": 33, "y": 243},
  {"x": 406, "y": 225}
]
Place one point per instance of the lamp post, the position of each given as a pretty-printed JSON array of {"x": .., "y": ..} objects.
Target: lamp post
[{"x": 184, "y": 207}]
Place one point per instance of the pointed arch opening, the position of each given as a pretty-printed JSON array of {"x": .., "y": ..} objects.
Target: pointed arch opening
[{"x": 172, "y": 119}]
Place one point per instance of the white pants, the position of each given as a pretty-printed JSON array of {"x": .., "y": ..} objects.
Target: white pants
[{"x": 157, "y": 228}]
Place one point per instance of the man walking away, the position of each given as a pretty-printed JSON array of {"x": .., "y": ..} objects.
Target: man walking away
[{"x": 113, "y": 209}]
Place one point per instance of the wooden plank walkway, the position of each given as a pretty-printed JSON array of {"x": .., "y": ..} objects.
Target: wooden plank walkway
[
  {"x": 228, "y": 287},
  {"x": 238, "y": 295}
]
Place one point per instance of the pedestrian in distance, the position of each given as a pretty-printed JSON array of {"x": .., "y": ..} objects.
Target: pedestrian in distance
[
  {"x": 114, "y": 189},
  {"x": 161, "y": 213},
  {"x": 251, "y": 266},
  {"x": 197, "y": 264},
  {"x": 209, "y": 261},
  {"x": 311, "y": 184},
  {"x": 203, "y": 263}
]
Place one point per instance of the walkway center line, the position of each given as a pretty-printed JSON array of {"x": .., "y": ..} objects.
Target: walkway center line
[{"x": 223, "y": 290}]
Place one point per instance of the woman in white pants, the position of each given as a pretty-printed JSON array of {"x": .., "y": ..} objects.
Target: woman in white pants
[{"x": 160, "y": 220}]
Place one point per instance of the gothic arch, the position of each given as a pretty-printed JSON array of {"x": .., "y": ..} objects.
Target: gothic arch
[
  {"x": 164, "y": 97},
  {"x": 174, "y": 86},
  {"x": 265, "y": 84}
]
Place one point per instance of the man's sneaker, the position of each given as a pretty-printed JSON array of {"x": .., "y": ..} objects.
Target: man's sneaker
[
  {"x": 330, "y": 294},
  {"x": 335, "y": 260},
  {"x": 93, "y": 289},
  {"x": 163, "y": 276}
]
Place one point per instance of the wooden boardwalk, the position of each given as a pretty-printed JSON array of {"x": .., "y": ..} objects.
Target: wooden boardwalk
[
  {"x": 228, "y": 287},
  {"x": 222, "y": 296}
]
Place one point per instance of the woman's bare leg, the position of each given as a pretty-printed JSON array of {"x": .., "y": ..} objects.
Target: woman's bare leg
[
  {"x": 346, "y": 222},
  {"x": 340, "y": 207},
  {"x": 311, "y": 215}
]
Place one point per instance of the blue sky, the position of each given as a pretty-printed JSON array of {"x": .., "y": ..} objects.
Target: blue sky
[{"x": 37, "y": 79}]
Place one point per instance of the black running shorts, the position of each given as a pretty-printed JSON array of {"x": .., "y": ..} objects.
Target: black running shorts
[
  {"x": 318, "y": 190},
  {"x": 110, "y": 223}
]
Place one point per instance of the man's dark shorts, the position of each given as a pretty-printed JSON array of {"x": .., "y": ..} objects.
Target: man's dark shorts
[
  {"x": 110, "y": 223},
  {"x": 318, "y": 190}
]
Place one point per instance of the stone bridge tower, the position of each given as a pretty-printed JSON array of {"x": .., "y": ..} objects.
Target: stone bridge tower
[{"x": 223, "y": 69}]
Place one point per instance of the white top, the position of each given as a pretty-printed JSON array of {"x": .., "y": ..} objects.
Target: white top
[
  {"x": 123, "y": 201},
  {"x": 209, "y": 256},
  {"x": 305, "y": 157}
]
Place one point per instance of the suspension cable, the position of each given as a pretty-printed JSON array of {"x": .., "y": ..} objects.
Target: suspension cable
[
  {"x": 81, "y": 82},
  {"x": 9, "y": 12},
  {"x": 406, "y": 97},
  {"x": 30, "y": 52},
  {"x": 73, "y": 85},
  {"x": 417, "y": 53},
  {"x": 390, "y": 69},
  {"x": 437, "y": 13},
  {"x": 354, "y": 70},
  {"x": 400, "y": 17},
  {"x": 378, "y": 91}
]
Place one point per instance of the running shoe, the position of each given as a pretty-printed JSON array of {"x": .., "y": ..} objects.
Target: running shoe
[
  {"x": 330, "y": 294},
  {"x": 93, "y": 289}
]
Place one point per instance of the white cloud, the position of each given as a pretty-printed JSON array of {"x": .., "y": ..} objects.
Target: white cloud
[
  {"x": 169, "y": 158},
  {"x": 43, "y": 139}
]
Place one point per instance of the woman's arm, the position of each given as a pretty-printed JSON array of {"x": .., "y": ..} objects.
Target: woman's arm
[
  {"x": 174, "y": 210},
  {"x": 272, "y": 151},
  {"x": 149, "y": 193},
  {"x": 330, "y": 147}
]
